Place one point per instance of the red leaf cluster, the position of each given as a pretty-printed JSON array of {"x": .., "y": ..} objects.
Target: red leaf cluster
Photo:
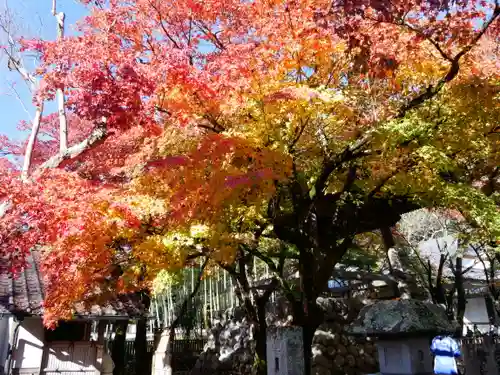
[{"x": 157, "y": 69}]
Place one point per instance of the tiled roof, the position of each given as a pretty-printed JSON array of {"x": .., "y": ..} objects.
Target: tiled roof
[{"x": 24, "y": 295}]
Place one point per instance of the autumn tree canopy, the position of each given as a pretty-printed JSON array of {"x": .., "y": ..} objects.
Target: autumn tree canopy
[{"x": 199, "y": 126}]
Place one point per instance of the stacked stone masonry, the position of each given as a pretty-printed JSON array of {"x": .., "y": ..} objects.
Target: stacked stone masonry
[
  {"x": 231, "y": 345},
  {"x": 333, "y": 351}
]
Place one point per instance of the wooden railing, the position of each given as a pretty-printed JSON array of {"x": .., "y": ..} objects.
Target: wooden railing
[
  {"x": 184, "y": 356},
  {"x": 481, "y": 355}
]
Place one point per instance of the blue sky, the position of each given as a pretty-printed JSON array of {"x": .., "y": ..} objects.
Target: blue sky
[{"x": 34, "y": 20}]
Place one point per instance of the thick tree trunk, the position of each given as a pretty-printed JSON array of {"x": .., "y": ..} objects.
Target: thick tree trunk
[
  {"x": 305, "y": 310},
  {"x": 261, "y": 337},
  {"x": 307, "y": 337},
  {"x": 309, "y": 320},
  {"x": 255, "y": 308},
  {"x": 312, "y": 318},
  {"x": 402, "y": 288},
  {"x": 140, "y": 342},
  {"x": 440, "y": 292},
  {"x": 118, "y": 349},
  {"x": 323, "y": 226},
  {"x": 461, "y": 300},
  {"x": 261, "y": 331},
  {"x": 450, "y": 304},
  {"x": 141, "y": 348}
]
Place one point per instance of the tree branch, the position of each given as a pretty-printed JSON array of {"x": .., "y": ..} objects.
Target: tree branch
[
  {"x": 35, "y": 127},
  {"x": 272, "y": 266},
  {"x": 209, "y": 34},
  {"x": 352, "y": 151},
  {"x": 98, "y": 134},
  {"x": 425, "y": 266},
  {"x": 165, "y": 31},
  {"x": 331, "y": 165},
  {"x": 432, "y": 91},
  {"x": 298, "y": 133},
  {"x": 18, "y": 97},
  {"x": 327, "y": 264},
  {"x": 486, "y": 274}
]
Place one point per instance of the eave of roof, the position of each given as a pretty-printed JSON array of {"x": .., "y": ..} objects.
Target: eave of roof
[{"x": 24, "y": 295}]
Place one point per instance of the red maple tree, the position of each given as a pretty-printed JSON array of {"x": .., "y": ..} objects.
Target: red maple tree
[{"x": 315, "y": 119}]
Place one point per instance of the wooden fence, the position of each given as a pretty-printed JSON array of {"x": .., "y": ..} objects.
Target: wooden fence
[
  {"x": 130, "y": 350},
  {"x": 184, "y": 355},
  {"x": 480, "y": 355}
]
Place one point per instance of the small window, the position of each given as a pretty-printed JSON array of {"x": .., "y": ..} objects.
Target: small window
[{"x": 67, "y": 331}]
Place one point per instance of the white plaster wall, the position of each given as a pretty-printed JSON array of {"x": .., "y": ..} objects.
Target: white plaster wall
[
  {"x": 280, "y": 341},
  {"x": 476, "y": 313},
  {"x": 4, "y": 339},
  {"x": 29, "y": 346}
]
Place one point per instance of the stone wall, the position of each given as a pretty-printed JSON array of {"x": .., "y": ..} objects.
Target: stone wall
[
  {"x": 231, "y": 343},
  {"x": 230, "y": 347},
  {"x": 333, "y": 351}
]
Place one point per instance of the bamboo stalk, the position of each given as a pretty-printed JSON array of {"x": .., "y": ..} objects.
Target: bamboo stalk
[
  {"x": 226, "y": 292},
  {"x": 205, "y": 302},
  {"x": 210, "y": 313},
  {"x": 165, "y": 310},
  {"x": 231, "y": 292},
  {"x": 157, "y": 312},
  {"x": 217, "y": 292}
]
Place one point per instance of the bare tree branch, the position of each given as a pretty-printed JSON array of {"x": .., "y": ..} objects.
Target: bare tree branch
[
  {"x": 35, "y": 127},
  {"x": 61, "y": 107},
  {"x": 18, "y": 97},
  {"x": 15, "y": 62}
]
